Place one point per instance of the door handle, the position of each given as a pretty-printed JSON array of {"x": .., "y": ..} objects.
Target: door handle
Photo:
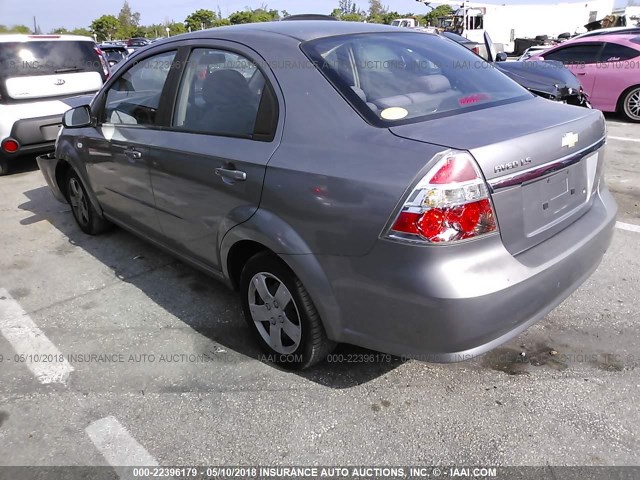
[
  {"x": 233, "y": 175},
  {"x": 134, "y": 154}
]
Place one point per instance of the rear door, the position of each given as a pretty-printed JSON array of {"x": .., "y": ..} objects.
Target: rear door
[
  {"x": 208, "y": 164},
  {"x": 618, "y": 69},
  {"x": 117, "y": 150},
  {"x": 582, "y": 60}
]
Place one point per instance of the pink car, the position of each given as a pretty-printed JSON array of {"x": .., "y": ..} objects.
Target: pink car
[{"x": 608, "y": 68}]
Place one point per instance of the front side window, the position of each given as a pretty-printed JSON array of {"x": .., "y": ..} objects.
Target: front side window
[
  {"x": 579, "y": 54},
  {"x": 219, "y": 94},
  {"x": 400, "y": 77},
  {"x": 134, "y": 98}
]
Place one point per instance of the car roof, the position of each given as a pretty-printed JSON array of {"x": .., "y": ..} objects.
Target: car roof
[
  {"x": 609, "y": 31},
  {"x": 12, "y": 37},
  {"x": 302, "y": 30},
  {"x": 622, "y": 38}
]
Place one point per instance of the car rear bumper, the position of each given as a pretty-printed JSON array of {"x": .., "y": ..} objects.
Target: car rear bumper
[
  {"x": 34, "y": 135},
  {"x": 451, "y": 303},
  {"x": 47, "y": 165}
]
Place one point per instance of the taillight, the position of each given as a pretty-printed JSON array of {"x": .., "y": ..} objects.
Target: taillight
[
  {"x": 9, "y": 145},
  {"x": 476, "y": 50},
  {"x": 103, "y": 62},
  {"x": 450, "y": 203}
]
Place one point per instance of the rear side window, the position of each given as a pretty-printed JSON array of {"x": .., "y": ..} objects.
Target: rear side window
[
  {"x": 617, "y": 53},
  {"x": 219, "y": 94},
  {"x": 34, "y": 58},
  {"x": 579, "y": 54},
  {"x": 134, "y": 98},
  {"x": 402, "y": 77}
]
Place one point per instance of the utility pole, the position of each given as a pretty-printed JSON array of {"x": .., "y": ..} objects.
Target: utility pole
[{"x": 35, "y": 26}]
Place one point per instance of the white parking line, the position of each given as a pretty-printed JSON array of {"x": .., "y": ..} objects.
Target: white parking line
[
  {"x": 628, "y": 226},
  {"x": 118, "y": 447},
  {"x": 36, "y": 350},
  {"x": 624, "y": 139}
]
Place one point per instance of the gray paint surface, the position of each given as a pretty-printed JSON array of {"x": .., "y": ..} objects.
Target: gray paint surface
[{"x": 321, "y": 193}]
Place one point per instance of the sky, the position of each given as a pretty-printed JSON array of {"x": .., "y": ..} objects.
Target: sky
[{"x": 79, "y": 13}]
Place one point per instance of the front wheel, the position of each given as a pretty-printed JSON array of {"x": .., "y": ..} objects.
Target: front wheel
[
  {"x": 280, "y": 312},
  {"x": 631, "y": 104},
  {"x": 87, "y": 218}
]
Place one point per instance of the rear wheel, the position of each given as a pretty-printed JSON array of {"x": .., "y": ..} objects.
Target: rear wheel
[
  {"x": 86, "y": 216},
  {"x": 279, "y": 310},
  {"x": 4, "y": 167},
  {"x": 631, "y": 104}
]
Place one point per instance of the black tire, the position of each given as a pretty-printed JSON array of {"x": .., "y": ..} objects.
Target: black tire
[
  {"x": 630, "y": 104},
  {"x": 4, "y": 167},
  {"x": 87, "y": 218},
  {"x": 314, "y": 346}
]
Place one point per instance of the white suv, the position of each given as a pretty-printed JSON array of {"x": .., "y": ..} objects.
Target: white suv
[{"x": 41, "y": 77}]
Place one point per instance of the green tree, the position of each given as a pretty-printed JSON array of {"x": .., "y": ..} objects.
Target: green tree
[
  {"x": 245, "y": 16},
  {"x": 221, "y": 22},
  {"x": 431, "y": 18},
  {"x": 200, "y": 19},
  {"x": 105, "y": 27},
  {"x": 59, "y": 31},
  {"x": 128, "y": 20},
  {"x": 376, "y": 11}
]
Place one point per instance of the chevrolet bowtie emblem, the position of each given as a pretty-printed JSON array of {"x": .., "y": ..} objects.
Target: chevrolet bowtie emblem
[{"x": 570, "y": 140}]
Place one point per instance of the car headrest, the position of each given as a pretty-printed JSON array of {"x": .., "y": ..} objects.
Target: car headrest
[
  {"x": 224, "y": 87},
  {"x": 434, "y": 83}
]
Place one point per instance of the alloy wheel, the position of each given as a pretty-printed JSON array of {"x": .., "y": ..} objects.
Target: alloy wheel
[
  {"x": 78, "y": 201},
  {"x": 632, "y": 104},
  {"x": 274, "y": 313}
]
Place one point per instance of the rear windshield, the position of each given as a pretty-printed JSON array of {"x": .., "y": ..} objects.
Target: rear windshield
[
  {"x": 396, "y": 78},
  {"x": 28, "y": 59}
]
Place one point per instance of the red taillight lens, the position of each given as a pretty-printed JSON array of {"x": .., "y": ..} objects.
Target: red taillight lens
[
  {"x": 103, "y": 62},
  {"x": 9, "y": 145},
  {"x": 476, "y": 50},
  {"x": 450, "y": 203}
]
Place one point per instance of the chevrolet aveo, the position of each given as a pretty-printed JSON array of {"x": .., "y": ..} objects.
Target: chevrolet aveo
[{"x": 355, "y": 183}]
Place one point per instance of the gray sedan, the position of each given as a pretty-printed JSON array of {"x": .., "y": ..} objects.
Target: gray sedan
[{"x": 355, "y": 183}]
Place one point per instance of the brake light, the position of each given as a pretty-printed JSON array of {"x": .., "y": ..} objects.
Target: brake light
[
  {"x": 9, "y": 145},
  {"x": 450, "y": 203},
  {"x": 476, "y": 50},
  {"x": 103, "y": 62}
]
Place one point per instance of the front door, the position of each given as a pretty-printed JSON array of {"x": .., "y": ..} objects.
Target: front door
[{"x": 117, "y": 150}]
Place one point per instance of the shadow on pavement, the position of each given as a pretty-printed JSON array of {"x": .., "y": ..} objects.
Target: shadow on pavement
[{"x": 189, "y": 294}]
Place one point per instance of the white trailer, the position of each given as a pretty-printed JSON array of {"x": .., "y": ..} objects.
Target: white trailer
[{"x": 505, "y": 23}]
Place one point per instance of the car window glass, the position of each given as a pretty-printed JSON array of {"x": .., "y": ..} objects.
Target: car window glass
[
  {"x": 134, "y": 98},
  {"x": 575, "y": 54},
  {"x": 219, "y": 94},
  {"x": 616, "y": 53},
  {"x": 405, "y": 76}
]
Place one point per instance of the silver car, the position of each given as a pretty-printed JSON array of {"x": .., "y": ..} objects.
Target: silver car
[{"x": 355, "y": 183}]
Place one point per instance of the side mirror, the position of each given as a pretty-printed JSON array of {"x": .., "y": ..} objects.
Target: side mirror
[
  {"x": 77, "y": 117},
  {"x": 501, "y": 57}
]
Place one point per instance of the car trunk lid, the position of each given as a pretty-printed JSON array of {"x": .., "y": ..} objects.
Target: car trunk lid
[{"x": 540, "y": 158}]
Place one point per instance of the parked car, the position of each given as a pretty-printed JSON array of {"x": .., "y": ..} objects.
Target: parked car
[
  {"x": 550, "y": 80},
  {"x": 114, "y": 53},
  {"x": 134, "y": 44},
  {"x": 39, "y": 78},
  {"x": 608, "y": 68},
  {"x": 529, "y": 52},
  {"x": 610, "y": 31},
  {"x": 475, "y": 47},
  {"x": 395, "y": 201}
]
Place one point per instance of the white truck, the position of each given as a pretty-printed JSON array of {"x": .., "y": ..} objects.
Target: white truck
[{"x": 405, "y": 23}]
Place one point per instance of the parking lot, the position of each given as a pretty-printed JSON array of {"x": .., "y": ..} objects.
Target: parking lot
[{"x": 160, "y": 366}]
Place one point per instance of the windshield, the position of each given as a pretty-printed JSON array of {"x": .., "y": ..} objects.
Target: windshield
[
  {"x": 403, "y": 77},
  {"x": 27, "y": 59}
]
